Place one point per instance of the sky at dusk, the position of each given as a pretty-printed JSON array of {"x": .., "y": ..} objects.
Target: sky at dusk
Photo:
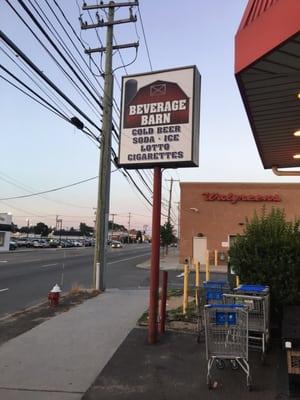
[{"x": 40, "y": 151}]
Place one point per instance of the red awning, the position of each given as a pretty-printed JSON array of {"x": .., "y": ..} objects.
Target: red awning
[{"x": 267, "y": 68}]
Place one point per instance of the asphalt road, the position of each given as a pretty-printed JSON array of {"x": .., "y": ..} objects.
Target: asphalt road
[{"x": 26, "y": 276}]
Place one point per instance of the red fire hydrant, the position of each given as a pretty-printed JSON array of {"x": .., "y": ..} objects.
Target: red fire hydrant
[{"x": 54, "y": 295}]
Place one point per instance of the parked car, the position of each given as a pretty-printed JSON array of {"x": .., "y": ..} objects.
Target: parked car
[
  {"x": 36, "y": 243},
  {"x": 12, "y": 245},
  {"x": 23, "y": 242},
  {"x": 44, "y": 243},
  {"x": 53, "y": 243},
  {"x": 76, "y": 243},
  {"x": 116, "y": 245}
]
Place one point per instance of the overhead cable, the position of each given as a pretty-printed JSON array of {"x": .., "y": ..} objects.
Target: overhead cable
[{"x": 50, "y": 190}]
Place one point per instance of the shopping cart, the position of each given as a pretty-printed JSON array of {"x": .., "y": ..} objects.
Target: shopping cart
[
  {"x": 257, "y": 299},
  {"x": 214, "y": 291},
  {"x": 226, "y": 338},
  {"x": 213, "y": 294}
]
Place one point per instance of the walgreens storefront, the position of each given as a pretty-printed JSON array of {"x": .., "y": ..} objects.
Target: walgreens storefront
[{"x": 213, "y": 213}]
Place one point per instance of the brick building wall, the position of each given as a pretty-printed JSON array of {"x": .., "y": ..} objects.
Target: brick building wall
[{"x": 218, "y": 210}]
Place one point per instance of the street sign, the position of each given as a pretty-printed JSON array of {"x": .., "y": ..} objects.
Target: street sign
[{"x": 160, "y": 116}]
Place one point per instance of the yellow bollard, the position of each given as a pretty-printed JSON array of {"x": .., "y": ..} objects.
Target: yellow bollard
[
  {"x": 216, "y": 258},
  {"x": 207, "y": 267},
  {"x": 237, "y": 281},
  {"x": 197, "y": 281},
  {"x": 185, "y": 288}
]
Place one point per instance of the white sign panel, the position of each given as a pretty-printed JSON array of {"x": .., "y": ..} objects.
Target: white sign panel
[{"x": 160, "y": 116}]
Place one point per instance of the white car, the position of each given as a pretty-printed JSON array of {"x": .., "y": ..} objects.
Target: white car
[{"x": 116, "y": 245}]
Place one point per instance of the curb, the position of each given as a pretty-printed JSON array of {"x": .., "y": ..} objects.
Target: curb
[
  {"x": 179, "y": 267},
  {"x": 31, "y": 308}
]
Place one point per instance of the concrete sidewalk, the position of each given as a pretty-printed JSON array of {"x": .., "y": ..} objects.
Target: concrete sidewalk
[
  {"x": 60, "y": 359},
  {"x": 170, "y": 262}
]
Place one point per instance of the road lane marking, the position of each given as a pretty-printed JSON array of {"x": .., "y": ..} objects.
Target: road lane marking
[
  {"x": 127, "y": 259},
  {"x": 4, "y": 290},
  {"x": 49, "y": 265},
  {"x": 3, "y": 261}
]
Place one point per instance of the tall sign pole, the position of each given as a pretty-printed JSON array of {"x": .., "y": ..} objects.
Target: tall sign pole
[
  {"x": 155, "y": 247},
  {"x": 102, "y": 213}
]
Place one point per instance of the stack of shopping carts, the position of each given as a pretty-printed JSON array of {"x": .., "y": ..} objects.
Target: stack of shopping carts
[{"x": 257, "y": 300}]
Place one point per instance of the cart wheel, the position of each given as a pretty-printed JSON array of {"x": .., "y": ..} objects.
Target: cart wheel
[
  {"x": 220, "y": 363},
  {"x": 249, "y": 383},
  {"x": 234, "y": 364},
  {"x": 209, "y": 383}
]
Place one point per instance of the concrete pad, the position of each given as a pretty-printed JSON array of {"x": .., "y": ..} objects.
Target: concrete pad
[
  {"x": 67, "y": 352},
  {"x": 176, "y": 367}
]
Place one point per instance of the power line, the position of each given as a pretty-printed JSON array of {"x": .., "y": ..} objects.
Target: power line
[
  {"x": 35, "y": 82},
  {"x": 2, "y": 35},
  {"x": 61, "y": 94},
  {"x": 44, "y": 77},
  {"x": 46, "y": 105},
  {"x": 148, "y": 54},
  {"x": 36, "y": 22},
  {"x": 80, "y": 92},
  {"x": 62, "y": 43},
  {"x": 50, "y": 190},
  {"x": 14, "y": 182}
]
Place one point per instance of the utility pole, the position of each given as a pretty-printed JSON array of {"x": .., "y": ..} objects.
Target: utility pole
[
  {"x": 59, "y": 226},
  {"x": 113, "y": 221},
  {"x": 129, "y": 216},
  {"x": 170, "y": 196},
  {"x": 170, "y": 200},
  {"x": 100, "y": 255}
]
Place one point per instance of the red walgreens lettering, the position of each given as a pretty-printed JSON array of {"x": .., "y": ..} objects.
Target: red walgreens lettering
[{"x": 234, "y": 198}]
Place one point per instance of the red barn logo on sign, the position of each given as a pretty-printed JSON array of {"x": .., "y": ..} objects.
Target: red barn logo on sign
[{"x": 159, "y": 103}]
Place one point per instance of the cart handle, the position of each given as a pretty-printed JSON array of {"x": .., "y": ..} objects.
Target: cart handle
[{"x": 232, "y": 306}]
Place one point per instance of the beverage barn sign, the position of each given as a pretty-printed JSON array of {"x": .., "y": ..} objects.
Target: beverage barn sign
[{"x": 160, "y": 115}]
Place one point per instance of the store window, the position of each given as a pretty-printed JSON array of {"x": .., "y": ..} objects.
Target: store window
[{"x": 2, "y": 238}]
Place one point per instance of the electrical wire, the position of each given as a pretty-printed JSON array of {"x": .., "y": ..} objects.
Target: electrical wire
[
  {"x": 44, "y": 77},
  {"x": 80, "y": 92},
  {"x": 89, "y": 120},
  {"x": 13, "y": 182},
  {"x": 50, "y": 190},
  {"x": 47, "y": 105},
  {"x": 144, "y": 35},
  {"x": 56, "y": 101},
  {"x": 62, "y": 43}
]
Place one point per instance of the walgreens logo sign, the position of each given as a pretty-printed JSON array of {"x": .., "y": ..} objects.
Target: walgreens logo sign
[{"x": 234, "y": 198}]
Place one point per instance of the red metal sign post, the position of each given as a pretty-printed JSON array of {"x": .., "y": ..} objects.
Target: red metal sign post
[{"x": 155, "y": 250}]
